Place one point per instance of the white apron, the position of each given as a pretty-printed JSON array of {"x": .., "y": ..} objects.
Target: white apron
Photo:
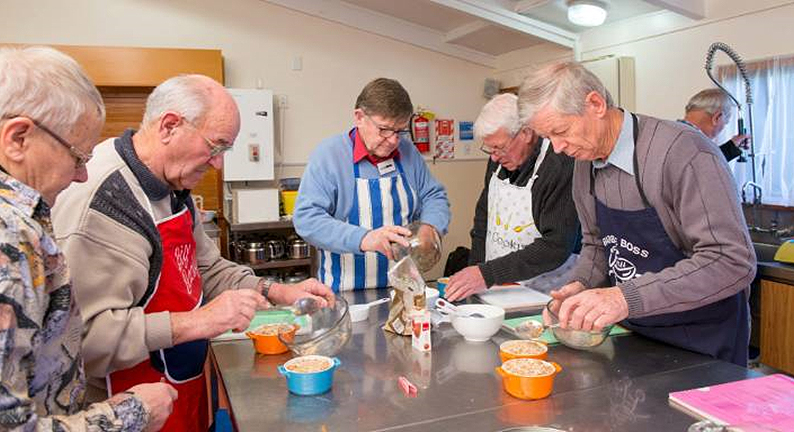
[{"x": 511, "y": 225}]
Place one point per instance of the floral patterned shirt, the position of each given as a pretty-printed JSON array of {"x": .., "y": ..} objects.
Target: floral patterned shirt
[{"x": 43, "y": 382}]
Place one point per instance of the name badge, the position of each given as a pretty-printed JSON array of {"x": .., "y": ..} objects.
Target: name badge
[{"x": 386, "y": 166}]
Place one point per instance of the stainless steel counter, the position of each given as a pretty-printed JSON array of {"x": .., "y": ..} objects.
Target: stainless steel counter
[
  {"x": 621, "y": 385},
  {"x": 770, "y": 269}
]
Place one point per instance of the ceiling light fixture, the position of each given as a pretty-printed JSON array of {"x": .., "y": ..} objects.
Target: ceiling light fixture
[{"x": 587, "y": 13}]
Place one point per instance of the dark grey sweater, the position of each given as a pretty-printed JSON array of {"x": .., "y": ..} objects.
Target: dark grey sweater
[
  {"x": 554, "y": 213},
  {"x": 687, "y": 181}
]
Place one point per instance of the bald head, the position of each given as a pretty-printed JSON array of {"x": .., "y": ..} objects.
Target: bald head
[{"x": 195, "y": 97}]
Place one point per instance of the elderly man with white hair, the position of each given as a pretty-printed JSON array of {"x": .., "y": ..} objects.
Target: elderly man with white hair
[
  {"x": 152, "y": 287},
  {"x": 50, "y": 119},
  {"x": 709, "y": 111},
  {"x": 525, "y": 225},
  {"x": 666, "y": 250}
]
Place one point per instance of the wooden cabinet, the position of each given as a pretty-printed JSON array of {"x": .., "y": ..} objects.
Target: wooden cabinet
[
  {"x": 126, "y": 75},
  {"x": 777, "y": 325}
]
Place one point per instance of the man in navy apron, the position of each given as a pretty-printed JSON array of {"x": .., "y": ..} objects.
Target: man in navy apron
[
  {"x": 666, "y": 252},
  {"x": 361, "y": 187}
]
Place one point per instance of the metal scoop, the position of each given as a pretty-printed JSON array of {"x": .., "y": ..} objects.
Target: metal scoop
[
  {"x": 531, "y": 329},
  {"x": 446, "y": 307}
]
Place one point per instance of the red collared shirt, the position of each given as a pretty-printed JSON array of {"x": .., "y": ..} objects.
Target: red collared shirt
[{"x": 360, "y": 151}]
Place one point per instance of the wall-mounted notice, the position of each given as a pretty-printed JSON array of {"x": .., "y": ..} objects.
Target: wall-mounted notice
[
  {"x": 466, "y": 130},
  {"x": 445, "y": 139}
]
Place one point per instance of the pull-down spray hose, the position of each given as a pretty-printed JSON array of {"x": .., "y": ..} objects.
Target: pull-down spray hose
[{"x": 719, "y": 46}]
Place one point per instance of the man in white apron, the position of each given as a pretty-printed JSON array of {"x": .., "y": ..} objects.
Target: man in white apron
[
  {"x": 525, "y": 225},
  {"x": 362, "y": 185}
]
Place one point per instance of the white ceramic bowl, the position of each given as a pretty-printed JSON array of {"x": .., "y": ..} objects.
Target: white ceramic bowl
[
  {"x": 478, "y": 329},
  {"x": 431, "y": 295}
]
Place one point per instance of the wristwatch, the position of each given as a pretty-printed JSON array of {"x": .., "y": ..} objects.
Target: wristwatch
[{"x": 264, "y": 287}]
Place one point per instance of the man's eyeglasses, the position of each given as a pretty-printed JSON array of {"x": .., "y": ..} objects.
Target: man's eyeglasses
[
  {"x": 215, "y": 148},
  {"x": 81, "y": 158},
  {"x": 503, "y": 148},
  {"x": 386, "y": 132}
]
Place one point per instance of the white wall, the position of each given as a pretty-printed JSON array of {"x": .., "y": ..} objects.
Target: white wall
[
  {"x": 670, "y": 52},
  {"x": 259, "y": 41}
]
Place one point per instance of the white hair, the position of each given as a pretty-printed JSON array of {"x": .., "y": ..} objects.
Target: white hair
[
  {"x": 711, "y": 101},
  {"x": 561, "y": 86},
  {"x": 48, "y": 86},
  {"x": 188, "y": 95},
  {"x": 501, "y": 112}
]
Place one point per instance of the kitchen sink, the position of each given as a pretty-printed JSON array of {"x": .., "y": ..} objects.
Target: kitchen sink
[{"x": 765, "y": 252}]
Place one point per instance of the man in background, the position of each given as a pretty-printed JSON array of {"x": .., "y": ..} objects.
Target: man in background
[{"x": 709, "y": 111}]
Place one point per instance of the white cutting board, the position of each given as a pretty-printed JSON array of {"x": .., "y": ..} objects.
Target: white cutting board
[{"x": 514, "y": 297}]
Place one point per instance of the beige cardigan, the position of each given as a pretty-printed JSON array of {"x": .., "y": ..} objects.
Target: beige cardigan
[{"x": 110, "y": 263}]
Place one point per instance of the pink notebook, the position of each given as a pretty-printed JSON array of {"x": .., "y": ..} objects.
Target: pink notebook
[{"x": 756, "y": 404}]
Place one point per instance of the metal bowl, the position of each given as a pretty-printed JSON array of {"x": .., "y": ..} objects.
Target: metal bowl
[
  {"x": 325, "y": 333},
  {"x": 577, "y": 339}
]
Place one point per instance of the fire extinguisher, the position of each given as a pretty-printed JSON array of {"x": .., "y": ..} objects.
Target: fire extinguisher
[{"x": 420, "y": 132}]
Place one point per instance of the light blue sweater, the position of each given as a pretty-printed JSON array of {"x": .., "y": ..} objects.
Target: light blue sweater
[{"x": 326, "y": 194}]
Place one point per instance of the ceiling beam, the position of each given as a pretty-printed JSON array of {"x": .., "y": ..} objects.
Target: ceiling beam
[
  {"x": 385, "y": 25},
  {"x": 695, "y": 9},
  {"x": 524, "y": 6},
  {"x": 454, "y": 35},
  {"x": 496, "y": 13}
]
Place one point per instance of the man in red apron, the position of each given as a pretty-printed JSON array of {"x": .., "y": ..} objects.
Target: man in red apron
[
  {"x": 666, "y": 250},
  {"x": 155, "y": 288}
]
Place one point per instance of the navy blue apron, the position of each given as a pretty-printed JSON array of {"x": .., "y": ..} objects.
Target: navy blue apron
[{"x": 720, "y": 329}]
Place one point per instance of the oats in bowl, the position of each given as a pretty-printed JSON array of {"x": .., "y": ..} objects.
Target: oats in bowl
[
  {"x": 523, "y": 347},
  {"x": 527, "y": 367},
  {"x": 309, "y": 364},
  {"x": 272, "y": 329}
]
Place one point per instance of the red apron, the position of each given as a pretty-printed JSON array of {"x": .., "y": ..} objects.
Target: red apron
[{"x": 178, "y": 290}]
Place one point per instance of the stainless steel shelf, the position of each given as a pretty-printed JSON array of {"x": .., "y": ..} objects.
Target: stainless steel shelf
[
  {"x": 246, "y": 227},
  {"x": 282, "y": 263}
]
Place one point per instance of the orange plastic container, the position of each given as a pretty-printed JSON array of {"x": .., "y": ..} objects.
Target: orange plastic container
[
  {"x": 270, "y": 344},
  {"x": 526, "y": 387},
  {"x": 505, "y": 355}
]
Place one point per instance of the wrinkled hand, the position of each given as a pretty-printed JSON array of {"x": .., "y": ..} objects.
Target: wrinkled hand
[
  {"x": 465, "y": 283},
  {"x": 158, "y": 400},
  {"x": 593, "y": 309},
  {"x": 233, "y": 309},
  {"x": 558, "y": 296},
  {"x": 380, "y": 240},
  {"x": 288, "y": 294},
  {"x": 741, "y": 141}
]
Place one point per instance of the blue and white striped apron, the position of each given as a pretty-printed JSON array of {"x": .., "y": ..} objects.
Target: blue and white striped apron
[{"x": 376, "y": 202}]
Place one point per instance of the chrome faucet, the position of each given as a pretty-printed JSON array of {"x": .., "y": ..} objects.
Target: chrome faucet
[{"x": 757, "y": 191}]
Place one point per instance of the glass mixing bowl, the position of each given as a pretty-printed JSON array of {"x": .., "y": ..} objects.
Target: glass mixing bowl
[
  {"x": 577, "y": 339},
  {"x": 325, "y": 333},
  {"x": 424, "y": 253}
]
